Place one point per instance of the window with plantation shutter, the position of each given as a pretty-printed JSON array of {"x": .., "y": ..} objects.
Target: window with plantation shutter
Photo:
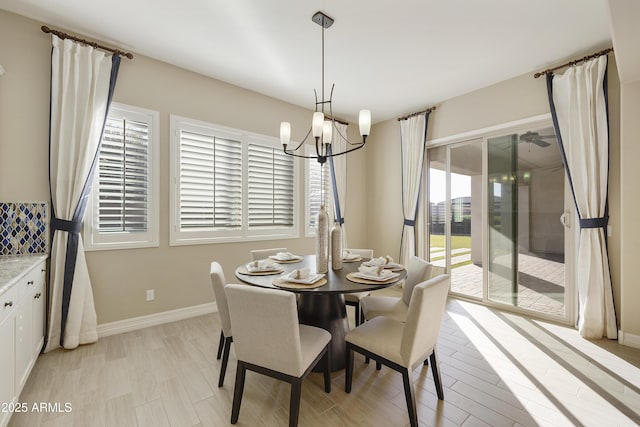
[
  {"x": 270, "y": 186},
  {"x": 229, "y": 185},
  {"x": 210, "y": 181},
  {"x": 123, "y": 209},
  {"x": 316, "y": 177}
]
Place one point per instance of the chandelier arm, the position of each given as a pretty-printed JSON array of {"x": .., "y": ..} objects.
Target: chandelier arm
[
  {"x": 347, "y": 151},
  {"x": 345, "y": 138},
  {"x": 299, "y": 155}
]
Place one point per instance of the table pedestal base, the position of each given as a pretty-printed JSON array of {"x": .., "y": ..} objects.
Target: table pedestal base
[{"x": 329, "y": 312}]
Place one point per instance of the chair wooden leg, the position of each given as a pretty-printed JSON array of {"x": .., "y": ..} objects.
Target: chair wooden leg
[
  {"x": 327, "y": 371},
  {"x": 348, "y": 375},
  {"x": 366, "y": 360},
  {"x": 357, "y": 314},
  {"x": 220, "y": 345},
  {"x": 237, "y": 392},
  {"x": 225, "y": 360},
  {"x": 409, "y": 395},
  {"x": 361, "y": 316},
  {"x": 294, "y": 403},
  {"x": 378, "y": 366},
  {"x": 426, "y": 362},
  {"x": 435, "y": 369}
]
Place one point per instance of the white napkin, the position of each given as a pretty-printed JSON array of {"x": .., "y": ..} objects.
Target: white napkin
[
  {"x": 261, "y": 265},
  {"x": 284, "y": 256},
  {"x": 378, "y": 273},
  {"x": 302, "y": 275},
  {"x": 349, "y": 255},
  {"x": 379, "y": 261}
]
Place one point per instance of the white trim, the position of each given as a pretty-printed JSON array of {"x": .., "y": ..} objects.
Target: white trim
[
  {"x": 135, "y": 323},
  {"x": 629, "y": 340},
  {"x": 478, "y": 133}
]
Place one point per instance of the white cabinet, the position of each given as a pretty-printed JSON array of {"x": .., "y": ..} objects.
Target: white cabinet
[
  {"x": 8, "y": 304},
  {"x": 22, "y": 311}
]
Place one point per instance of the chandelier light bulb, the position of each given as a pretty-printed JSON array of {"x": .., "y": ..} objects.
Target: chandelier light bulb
[
  {"x": 365, "y": 122},
  {"x": 317, "y": 124},
  {"x": 285, "y": 133},
  {"x": 327, "y": 132}
]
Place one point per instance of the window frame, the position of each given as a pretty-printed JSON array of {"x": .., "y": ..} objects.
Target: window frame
[
  {"x": 94, "y": 240},
  {"x": 179, "y": 237}
]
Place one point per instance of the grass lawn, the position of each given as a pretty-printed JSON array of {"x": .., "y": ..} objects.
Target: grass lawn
[{"x": 457, "y": 242}]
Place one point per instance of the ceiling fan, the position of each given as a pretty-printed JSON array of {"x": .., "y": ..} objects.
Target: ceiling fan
[{"x": 536, "y": 138}]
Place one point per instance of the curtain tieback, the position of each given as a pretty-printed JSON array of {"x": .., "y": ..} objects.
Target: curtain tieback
[
  {"x": 410, "y": 222},
  {"x": 64, "y": 225},
  {"x": 594, "y": 222}
]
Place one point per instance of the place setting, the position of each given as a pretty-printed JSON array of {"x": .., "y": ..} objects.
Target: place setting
[
  {"x": 263, "y": 267},
  {"x": 301, "y": 278},
  {"x": 348, "y": 256},
  {"x": 285, "y": 258},
  {"x": 373, "y": 275},
  {"x": 385, "y": 262}
]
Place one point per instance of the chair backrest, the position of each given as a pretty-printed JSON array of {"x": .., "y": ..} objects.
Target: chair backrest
[
  {"x": 426, "y": 310},
  {"x": 364, "y": 253},
  {"x": 418, "y": 270},
  {"x": 218, "y": 282},
  {"x": 436, "y": 271},
  {"x": 264, "y": 253},
  {"x": 265, "y": 327}
]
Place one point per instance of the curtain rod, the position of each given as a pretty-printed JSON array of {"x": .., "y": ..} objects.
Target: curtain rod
[
  {"x": 428, "y": 110},
  {"x": 574, "y": 62},
  {"x": 63, "y": 36}
]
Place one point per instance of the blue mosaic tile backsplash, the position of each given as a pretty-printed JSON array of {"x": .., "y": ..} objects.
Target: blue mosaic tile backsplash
[{"x": 24, "y": 228}]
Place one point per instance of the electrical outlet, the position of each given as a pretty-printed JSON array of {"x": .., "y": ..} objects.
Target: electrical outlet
[{"x": 151, "y": 294}]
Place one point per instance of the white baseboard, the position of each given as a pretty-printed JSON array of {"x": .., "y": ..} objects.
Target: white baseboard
[
  {"x": 135, "y": 323},
  {"x": 629, "y": 340}
]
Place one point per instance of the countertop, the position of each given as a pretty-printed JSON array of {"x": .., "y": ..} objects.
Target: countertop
[{"x": 14, "y": 267}]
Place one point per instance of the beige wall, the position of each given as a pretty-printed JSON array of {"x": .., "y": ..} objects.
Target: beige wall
[
  {"x": 630, "y": 245},
  {"x": 179, "y": 275},
  {"x": 515, "y": 99}
]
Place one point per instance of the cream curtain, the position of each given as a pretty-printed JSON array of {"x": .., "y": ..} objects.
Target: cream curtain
[
  {"x": 81, "y": 80},
  {"x": 579, "y": 97},
  {"x": 339, "y": 177},
  {"x": 412, "y": 140}
]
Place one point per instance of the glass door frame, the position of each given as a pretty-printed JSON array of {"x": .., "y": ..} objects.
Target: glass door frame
[{"x": 571, "y": 245}]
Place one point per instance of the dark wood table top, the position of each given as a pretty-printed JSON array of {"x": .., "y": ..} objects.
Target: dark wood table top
[{"x": 337, "y": 282}]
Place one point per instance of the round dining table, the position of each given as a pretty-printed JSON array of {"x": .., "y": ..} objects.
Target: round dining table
[{"x": 322, "y": 306}]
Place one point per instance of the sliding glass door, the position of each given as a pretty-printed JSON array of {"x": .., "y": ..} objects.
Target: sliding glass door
[{"x": 495, "y": 210}]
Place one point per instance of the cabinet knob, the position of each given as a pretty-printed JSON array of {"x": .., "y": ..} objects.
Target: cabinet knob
[
  {"x": 8, "y": 304},
  {"x": 30, "y": 282},
  {"x": 38, "y": 295}
]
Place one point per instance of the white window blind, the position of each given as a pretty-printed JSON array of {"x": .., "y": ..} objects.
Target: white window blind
[
  {"x": 123, "y": 210},
  {"x": 317, "y": 175},
  {"x": 229, "y": 185},
  {"x": 270, "y": 187},
  {"x": 123, "y": 170},
  {"x": 210, "y": 180}
]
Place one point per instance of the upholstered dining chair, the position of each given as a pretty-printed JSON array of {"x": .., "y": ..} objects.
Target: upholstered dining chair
[
  {"x": 418, "y": 270},
  {"x": 226, "y": 338},
  {"x": 354, "y": 299},
  {"x": 403, "y": 345},
  {"x": 268, "y": 339},
  {"x": 264, "y": 253}
]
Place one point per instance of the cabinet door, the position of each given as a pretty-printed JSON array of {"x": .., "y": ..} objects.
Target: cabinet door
[
  {"x": 23, "y": 341},
  {"x": 7, "y": 373},
  {"x": 37, "y": 338}
]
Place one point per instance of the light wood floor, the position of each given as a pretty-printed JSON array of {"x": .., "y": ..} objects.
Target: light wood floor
[{"x": 498, "y": 369}]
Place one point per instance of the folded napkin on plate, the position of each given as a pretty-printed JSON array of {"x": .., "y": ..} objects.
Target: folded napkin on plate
[
  {"x": 383, "y": 260},
  {"x": 261, "y": 265},
  {"x": 375, "y": 271},
  {"x": 302, "y": 275},
  {"x": 284, "y": 256},
  {"x": 349, "y": 255}
]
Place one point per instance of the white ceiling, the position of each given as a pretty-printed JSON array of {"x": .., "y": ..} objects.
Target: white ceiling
[{"x": 391, "y": 57}]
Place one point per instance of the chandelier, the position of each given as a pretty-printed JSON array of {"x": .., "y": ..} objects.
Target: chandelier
[{"x": 323, "y": 127}]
